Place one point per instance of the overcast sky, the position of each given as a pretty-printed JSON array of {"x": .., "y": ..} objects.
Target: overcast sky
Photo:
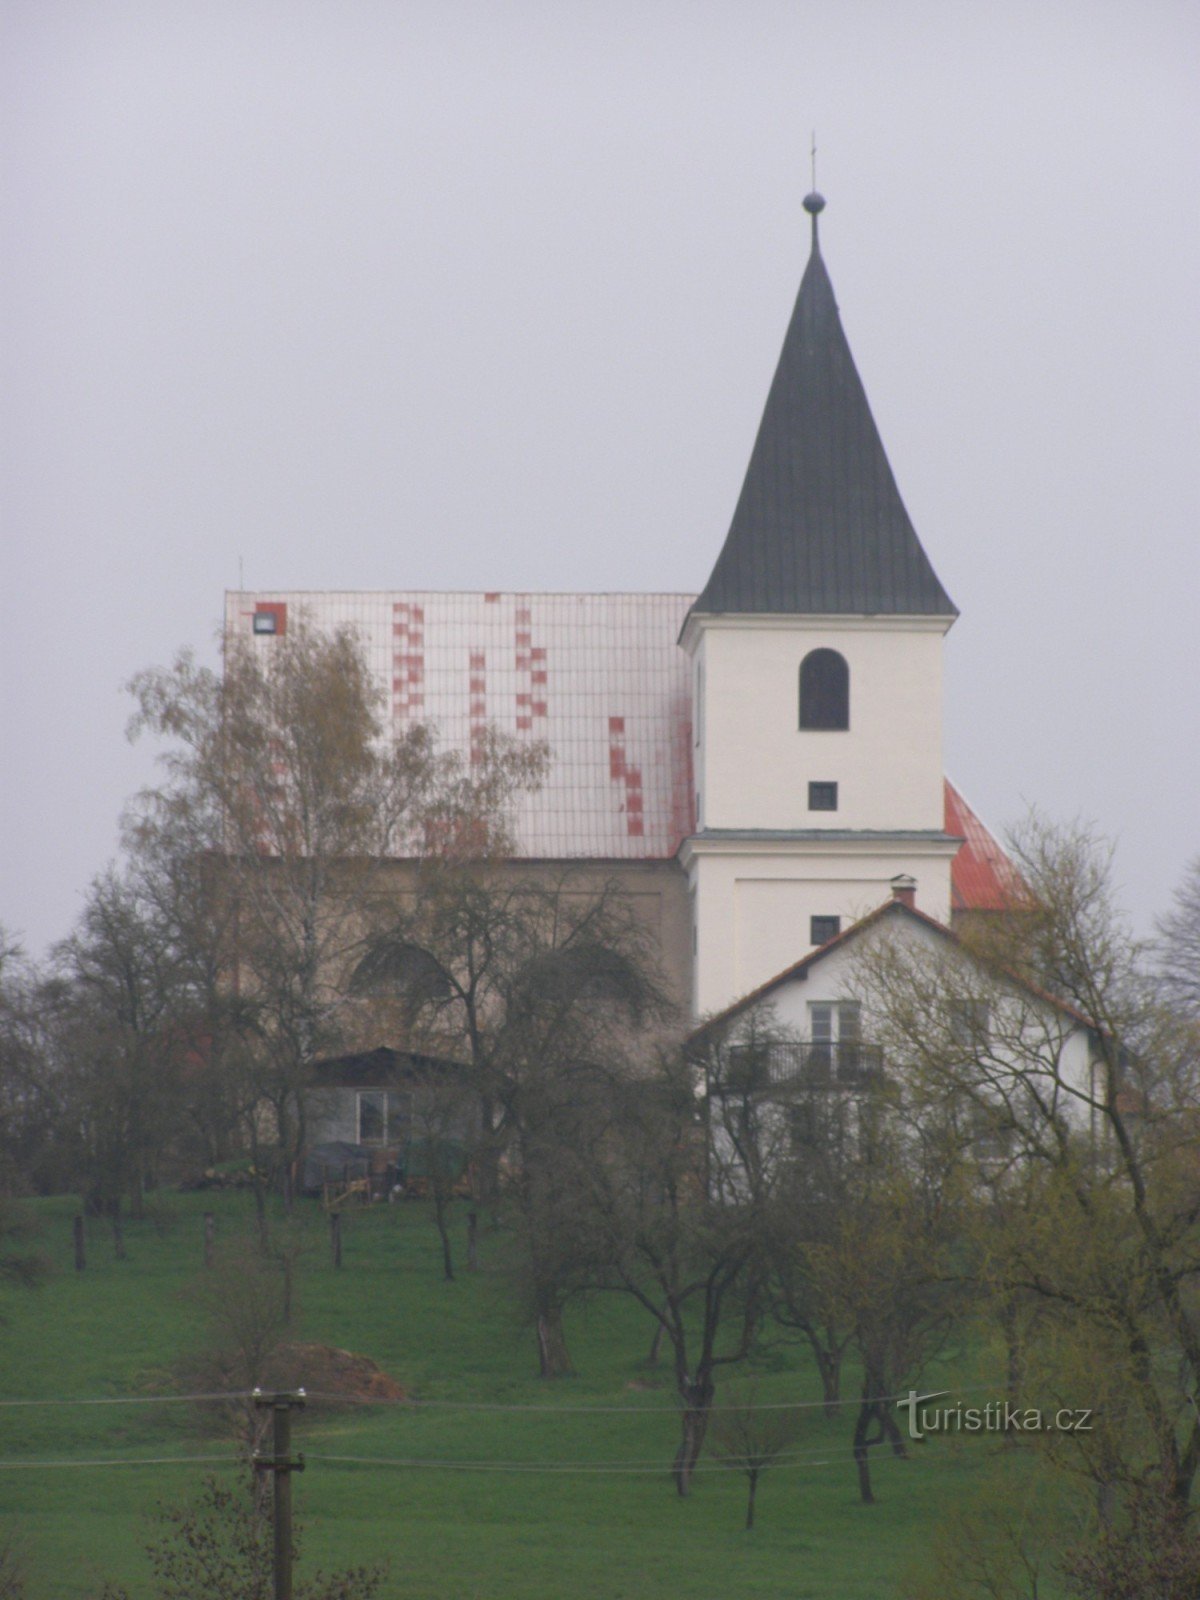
[{"x": 442, "y": 294}]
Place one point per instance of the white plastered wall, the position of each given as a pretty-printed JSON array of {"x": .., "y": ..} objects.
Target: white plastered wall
[
  {"x": 754, "y": 763},
  {"x": 833, "y": 978},
  {"x": 753, "y": 903}
]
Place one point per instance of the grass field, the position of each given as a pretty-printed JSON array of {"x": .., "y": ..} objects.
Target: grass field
[{"x": 494, "y": 1529}]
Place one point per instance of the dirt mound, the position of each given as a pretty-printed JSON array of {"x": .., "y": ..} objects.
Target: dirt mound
[{"x": 325, "y": 1370}]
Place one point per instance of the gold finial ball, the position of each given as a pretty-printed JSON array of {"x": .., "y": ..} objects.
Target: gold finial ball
[{"x": 814, "y": 203}]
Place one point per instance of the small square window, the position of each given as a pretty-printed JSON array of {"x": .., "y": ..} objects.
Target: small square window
[
  {"x": 822, "y": 797},
  {"x": 266, "y": 622},
  {"x": 822, "y": 929}
]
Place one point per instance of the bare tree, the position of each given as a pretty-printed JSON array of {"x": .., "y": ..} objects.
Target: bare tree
[
  {"x": 749, "y": 1436},
  {"x": 537, "y": 986},
  {"x": 243, "y": 1313},
  {"x": 1178, "y": 947},
  {"x": 444, "y": 1124},
  {"x": 37, "y": 1143},
  {"x": 680, "y": 1224},
  {"x": 121, "y": 1063}
]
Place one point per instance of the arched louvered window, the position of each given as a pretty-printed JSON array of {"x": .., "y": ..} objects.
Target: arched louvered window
[{"x": 824, "y": 690}]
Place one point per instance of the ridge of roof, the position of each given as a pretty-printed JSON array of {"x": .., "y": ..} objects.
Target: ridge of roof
[
  {"x": 800, "y": 969},
  {"x": 819, "y": 526}
]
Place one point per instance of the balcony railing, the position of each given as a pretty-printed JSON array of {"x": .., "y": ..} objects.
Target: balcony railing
[{"x": 811, "y": 1064}]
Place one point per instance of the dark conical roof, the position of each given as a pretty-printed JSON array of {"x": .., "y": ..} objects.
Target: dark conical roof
[{"x": 820, "y": 526}]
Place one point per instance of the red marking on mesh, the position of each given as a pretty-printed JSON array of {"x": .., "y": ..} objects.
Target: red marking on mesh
[
  {"x": 408, "y": 658},
  {"x": 478, "y": 705},
  {"x": 629, "y": 777},
  {"x": 273, "y": 608},
  {"x": 525, "y": 653}
]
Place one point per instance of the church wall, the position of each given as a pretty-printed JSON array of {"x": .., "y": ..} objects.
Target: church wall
[
  {"x": 756, "y": 763},
  {"x": 657, "y": 892},
  {"x": 754, "y": 907}
]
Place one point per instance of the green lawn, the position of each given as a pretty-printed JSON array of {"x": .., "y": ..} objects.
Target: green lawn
[{"x": 121, "y": 1328}]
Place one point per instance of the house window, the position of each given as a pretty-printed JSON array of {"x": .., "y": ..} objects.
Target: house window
[
  {"x": 970, "y": 1024},
  {"x": 836, "y": 1049},
  {"x": 830, "y": 1021},
  {"x": 822, "y": 929},
  {"x": 822, "y": 797},
  {"x": 824, "y": 691},
  {"x": 266, "y": 622},
  {"x": 384, "y": 1116}
]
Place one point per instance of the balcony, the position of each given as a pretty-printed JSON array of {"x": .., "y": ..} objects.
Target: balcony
[{"x": 801, "y": 1064}]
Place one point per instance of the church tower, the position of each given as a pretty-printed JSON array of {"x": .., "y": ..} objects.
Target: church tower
[{"x": 816, "y": 669}]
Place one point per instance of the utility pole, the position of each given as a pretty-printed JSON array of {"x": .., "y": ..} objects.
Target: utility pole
[{"x": 281, "y": 1465}]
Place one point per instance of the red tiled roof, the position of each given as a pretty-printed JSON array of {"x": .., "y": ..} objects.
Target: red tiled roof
[{"x": 982, "y": 878}]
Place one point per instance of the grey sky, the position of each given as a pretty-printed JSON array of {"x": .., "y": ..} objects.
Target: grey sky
[{"x": 458, "y": 295}]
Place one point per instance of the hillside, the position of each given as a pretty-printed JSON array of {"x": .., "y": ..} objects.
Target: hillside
[{"x": 497, "y": 1485}]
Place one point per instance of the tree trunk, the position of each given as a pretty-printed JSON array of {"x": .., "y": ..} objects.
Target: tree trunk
[
  {"x": 892, "y": 1433},
  {"x": 472, "y": 1241},
  {"x": 753, "y": 1476},
  {"x": 260, "y": 1212},
  {"x": 830, "y": 1366},
  {"x": 867, "y": 1413},
  {"x": 1012, "y": 1350},
  {"x": 655, "y": 1345},
  {"x": 439, "y": 1216},
  {"x": 697, "y": 1399},
  {"x": 118, "y": 1228},
  {"x": 554, "y": 1358}
]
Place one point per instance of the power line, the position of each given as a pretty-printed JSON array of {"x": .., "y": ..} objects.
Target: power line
[
  {"x": 124, "y": 1461},
  {"x": 641, "y": 1411},
  {"x": 409, "y": 1403},
  {"x": 798, "y": 1461},
  {"x": 133, "y": 1400}
]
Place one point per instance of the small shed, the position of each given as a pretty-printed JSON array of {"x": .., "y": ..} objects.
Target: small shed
[{"x": 389, "y": 1115}]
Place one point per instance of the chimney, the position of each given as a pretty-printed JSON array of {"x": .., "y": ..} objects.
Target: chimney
[{"x": 904, "y": 889}]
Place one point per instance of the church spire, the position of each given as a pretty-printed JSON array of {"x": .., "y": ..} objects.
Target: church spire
[{"x": 820, "y": 527}]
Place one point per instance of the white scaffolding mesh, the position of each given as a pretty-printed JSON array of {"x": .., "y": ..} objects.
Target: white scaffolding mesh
[{"x": 598, "y": 677}]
